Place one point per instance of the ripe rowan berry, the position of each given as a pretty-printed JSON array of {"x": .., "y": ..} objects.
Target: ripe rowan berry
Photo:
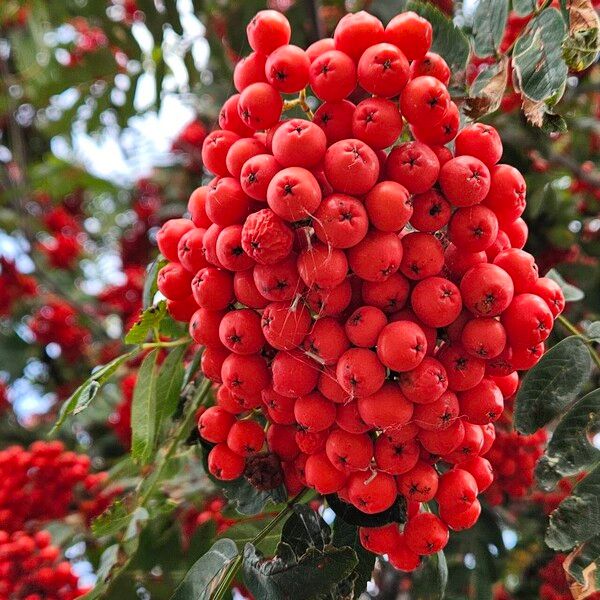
[
  {"x": 383, "y": 70},
  {"x": 401, "y": 345},
  {"x": 349, "y": 451},
  {"x": 411, "y": 33},
  {"x": 377, "y": 122},
  {"x": 246, "y": 437},
  {"x": 413, "y": 165},
  {"x": 359, "y": 372},
  {"x": 431, "y": 211},
  {"x": 268, "y": 30},
  {"x": 377, "y": 256},
  {"x": 351, "y": 167},
  {"x": 294, "y": 374},
  {"x": 465, "y": 181},
  {"x": 299, "y": 143},
  {"x": 287, "y": 69},
  {"x": 355, "y": 32},
  {"x": 386, "y": 409},
  {"x": 332, "y": 76},
  {"x": 371, "y": 493},
  {"x": 225, "y": 464},
  {"x": 388, "y": 206},
  {"x": 335, "y": 119},
  {"x": 364, "y": 326}
]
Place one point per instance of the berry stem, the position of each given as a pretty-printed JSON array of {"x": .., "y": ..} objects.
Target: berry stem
[
  {"x": 572, "y": 329},
  {"x": 181, "y": 342},
  {"x": 233, "y": 569}
]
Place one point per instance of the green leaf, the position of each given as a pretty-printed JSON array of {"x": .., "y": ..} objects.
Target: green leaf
[
  {"x": 305, "y": 529},
  {"x": 395, "y": 514},
  {"x": 552, "y": 384},
  {"x": 148, "y": 320},
  {"x": 206, "y": 573},
  {"x": 346, "y": 535},
  {"x": 524, "y": 7},
  {"x": 150, "y": 286},
  {"x": 108, "y": 560},
  {"x": 571, "y": 293},
  {"x": 539, "y": 114},
  {"x": 112, "y": 520},
  {"x": 80, "y": 399},
  {"x": 448, "y": 40},
  {"x": 577, "y": 518},
  {"x": 593, "y": 331},
  {"x": 168, "y": 385},
  {"x": 243, "y": 532},
  {"x": 386, "y": 10},
  {"x": 489, "y": 22},
  {"x": 487, "y": 91},
  {"x": 144, "y": 410},
  {"x": 582, "y": 565},
  {"x": 307, "y": 577},
  {"x": 582, "y": 45},
  {"x": 570, "y": 450},
  {"x": 538, "y": 64}
]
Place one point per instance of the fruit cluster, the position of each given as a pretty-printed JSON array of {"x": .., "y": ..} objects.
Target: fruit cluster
[
  {"x": 46, "y": 482},
  {"x": 31, "y": 569},
  {"x": 369, "y": 298},
  {"x": 513, "y": 457}
]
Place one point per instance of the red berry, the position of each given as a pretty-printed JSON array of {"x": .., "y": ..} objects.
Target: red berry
[
  {"x": 287, "y": 69},
  {"x": 411, "y": 33},
  {"x": 425, "y": 534},
  {"x": 214, "y": 424},
  {"x": 383, "y": 70},
  {"x": 268, "y": 30},
  {"x": 246, "y": 437},
  {"x": 225, "y": 464},
  {"x": 371, "y": 493}
]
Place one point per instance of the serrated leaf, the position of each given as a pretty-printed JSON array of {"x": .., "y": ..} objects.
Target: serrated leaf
[
  {"x": 593, "y": 331},
  {"x": 489, "y": 22},
  {"x": 577, "y": 518},
  {"x": 346, "y": 535},
  {"x": 582, "y": 565},
  {"x": 313, "y": 574},
  {"x": 143, "y": 410},
  {"x": 571, "y": 293},
  {"x": 552, "y": 384},
  {"x": 168, "y": 385},
  {"x": 538, "y": 64},
  {"x": 540, "y": 115},
  {"x": 206, "y": 573},
  {"x": 582, "y": 45},
  {"x": 147, "y": 321},
  {"x": 305, "y": 529},
  {"x": 570, "y": 450},
  {"x": 448, "y": 40},
  {"x": 524, "y": 7},
  {"x": 487, "y": 91},
  {"x": 80, "y": 399},
  {"x": 243, "y": 532}
]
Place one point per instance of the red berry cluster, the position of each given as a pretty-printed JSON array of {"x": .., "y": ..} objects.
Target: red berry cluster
[
  {"x": 31, "y": 569},
  {"x": 363, "y": 298},
  {"x": 56, "y": 322},
  {"x": 211, "y": 510},
  {"x": 14, "y": 286},
  {"x": 46, "y": 482},
  {"x": 513, "y": 457}
]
